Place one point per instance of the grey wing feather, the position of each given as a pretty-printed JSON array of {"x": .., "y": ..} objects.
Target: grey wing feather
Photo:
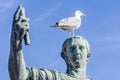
[{"x": 71, "y": 21}]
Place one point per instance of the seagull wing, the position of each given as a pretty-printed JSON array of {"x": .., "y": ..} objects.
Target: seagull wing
[{"x": 69, "y": 23}]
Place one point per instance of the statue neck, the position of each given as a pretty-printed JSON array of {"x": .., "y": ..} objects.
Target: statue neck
[{"x": 77, "y": 72}]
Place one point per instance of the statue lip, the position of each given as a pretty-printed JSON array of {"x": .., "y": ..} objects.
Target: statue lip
[{"x": 77, "y": 57}]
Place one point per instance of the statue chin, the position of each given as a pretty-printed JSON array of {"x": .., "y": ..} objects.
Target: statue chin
[{"x": 77, "y": 62}]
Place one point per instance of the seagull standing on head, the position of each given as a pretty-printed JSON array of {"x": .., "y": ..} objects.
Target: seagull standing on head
[{"x": 70, "y": 23}]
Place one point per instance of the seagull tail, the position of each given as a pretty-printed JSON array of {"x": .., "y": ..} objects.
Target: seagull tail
[{"x": 52, "y": 26}]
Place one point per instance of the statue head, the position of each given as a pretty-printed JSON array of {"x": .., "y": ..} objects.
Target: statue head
[{"x": 75, "y": 51}]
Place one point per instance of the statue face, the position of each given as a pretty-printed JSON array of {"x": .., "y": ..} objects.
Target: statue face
[{"x": 77, "y": 52}]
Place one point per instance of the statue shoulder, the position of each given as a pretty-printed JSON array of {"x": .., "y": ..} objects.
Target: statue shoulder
[
  {"x": 89, "y": 79},
  {"x": 43, "y": 74}
]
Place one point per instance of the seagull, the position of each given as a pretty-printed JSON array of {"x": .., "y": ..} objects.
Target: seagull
[{"x": 70, "y": 23}]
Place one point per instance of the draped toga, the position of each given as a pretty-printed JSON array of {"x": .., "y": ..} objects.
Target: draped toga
[{"x": 46, "y": 74}]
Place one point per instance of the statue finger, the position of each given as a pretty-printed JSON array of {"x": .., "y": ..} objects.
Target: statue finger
[
  {"x": 17, "y": 13},
  {"x": 22, "y": 12},
  {"x": 22, "y": 19}
]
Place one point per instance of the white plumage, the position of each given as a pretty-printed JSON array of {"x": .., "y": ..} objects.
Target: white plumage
[{"x": 70, "y": 23}]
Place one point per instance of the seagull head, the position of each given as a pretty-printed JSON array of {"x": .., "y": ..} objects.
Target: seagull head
[{"x": 78, "y": 14}]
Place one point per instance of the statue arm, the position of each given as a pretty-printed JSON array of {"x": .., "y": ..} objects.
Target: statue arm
[{"x": 20, "y": 28}]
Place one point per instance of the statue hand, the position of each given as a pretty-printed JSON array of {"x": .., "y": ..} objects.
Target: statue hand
[{"x": 20, "y": 26}]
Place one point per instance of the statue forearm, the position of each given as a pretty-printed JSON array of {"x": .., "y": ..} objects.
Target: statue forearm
[
  {"x": 17, "y": 67},
  {"x": 20, "y": 28}
]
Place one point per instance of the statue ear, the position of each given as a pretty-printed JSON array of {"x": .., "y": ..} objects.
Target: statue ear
[
  {"x": 63, "y": 55},
  {"x": 88, "y": 55}
]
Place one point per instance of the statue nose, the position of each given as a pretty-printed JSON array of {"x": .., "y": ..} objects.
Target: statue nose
[{"x": 78, "y": 51}]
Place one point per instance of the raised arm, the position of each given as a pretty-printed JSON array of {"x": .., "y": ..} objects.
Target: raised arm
[{"x": 20, "y": 28}]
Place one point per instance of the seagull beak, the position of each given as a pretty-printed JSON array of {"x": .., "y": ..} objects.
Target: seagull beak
[{"x": 83, "y": 14}]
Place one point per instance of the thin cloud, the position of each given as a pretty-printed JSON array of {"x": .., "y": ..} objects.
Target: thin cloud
[
  {"x": 106, "y": 44},
  {"x": 45, "y": 15},
  {"x": 111, "y": 38},
  {"x": 6, "y": 5}
]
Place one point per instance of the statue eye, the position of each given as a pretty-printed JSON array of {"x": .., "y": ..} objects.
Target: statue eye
[
  {"x": 81, "y": 47},
  {"x": 72, "y": 48}
]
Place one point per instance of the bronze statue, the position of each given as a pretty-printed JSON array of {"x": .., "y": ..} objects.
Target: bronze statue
[{"x": 75, "y": 52}]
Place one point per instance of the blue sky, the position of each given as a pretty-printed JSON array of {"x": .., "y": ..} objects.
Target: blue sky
[{"x": 100, "y": 27}]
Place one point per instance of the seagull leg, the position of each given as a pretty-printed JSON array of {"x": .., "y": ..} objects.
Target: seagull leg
[
  {"x": 68, "y": 33},
  {"x": 72, "y": 33}
]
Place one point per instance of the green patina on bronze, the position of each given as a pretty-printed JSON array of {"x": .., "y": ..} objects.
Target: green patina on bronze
[{"x": 75, "y": 52}]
